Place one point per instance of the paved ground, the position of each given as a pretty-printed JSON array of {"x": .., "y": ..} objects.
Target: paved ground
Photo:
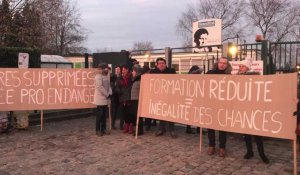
[{"x": 71, "y": 147}]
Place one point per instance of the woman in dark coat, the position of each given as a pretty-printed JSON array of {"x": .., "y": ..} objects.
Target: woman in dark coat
[
  {"x": 135, "y": 92},
  {"x": 123, "y": 88}
]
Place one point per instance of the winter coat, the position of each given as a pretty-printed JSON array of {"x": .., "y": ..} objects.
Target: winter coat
[
  {"x": 113, "y": 83},
  {"x": 102, "y": 90},
  {"x": 166, "y": 71},
  {"x": 135, "y": 88},
  {"x": 123, "y": 88}
]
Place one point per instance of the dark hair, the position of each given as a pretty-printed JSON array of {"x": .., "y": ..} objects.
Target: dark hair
[
  {"x": 223, "y": 58},
  {"x": 197, "y": 35},
  {"x": 160, "y": 59},
  {"x": 126, "y": 67},
  {"x": 134, "y": 61}
]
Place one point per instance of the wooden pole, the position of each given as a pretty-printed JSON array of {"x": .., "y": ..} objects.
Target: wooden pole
[
  {"x": 137, "y": 126},
  {"x": 139, "y": 108},
  {"x": 109, "y": 115},
  {"x": 201, "y": 140},
  {"x": 42, "y": 120},
  {"x": 295, "y": 157},
  {"x": 109, "y": 102}
]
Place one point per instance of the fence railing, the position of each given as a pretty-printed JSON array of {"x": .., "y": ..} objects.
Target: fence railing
[{"x": 280, "y": 56}]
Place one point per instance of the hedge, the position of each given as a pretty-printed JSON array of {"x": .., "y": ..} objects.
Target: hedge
[{"x": 9, "y": 57}]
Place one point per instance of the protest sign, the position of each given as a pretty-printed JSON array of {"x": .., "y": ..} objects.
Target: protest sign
[
  {"x": 252, "y": 104},
  {"x": 38, "y": 89}
]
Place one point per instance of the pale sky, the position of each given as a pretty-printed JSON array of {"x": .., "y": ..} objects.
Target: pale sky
[{"x": 117, "y": 24}]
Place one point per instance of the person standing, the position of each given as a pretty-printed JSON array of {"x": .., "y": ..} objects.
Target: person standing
[
  {"x": 124, "y": 90},
  {"x": 146, "y": 70},
  {"x": 101, "y": 98},
  {"x": 135, "y": 92},
  {"x": 193, "y": 70},
  {"x": 244, "y": 69},
  {"x": 221, "y": 67},
  {"x": 115, "y": 106},
  {"x": 161, "y": 68}
]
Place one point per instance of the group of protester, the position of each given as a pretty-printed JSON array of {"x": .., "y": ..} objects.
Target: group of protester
[{"x": 123, "y": 88}]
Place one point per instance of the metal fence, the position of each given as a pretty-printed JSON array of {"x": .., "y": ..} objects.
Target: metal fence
[
  {"x": 279, "y": 56},
  {"x": 285, "y": 55}
]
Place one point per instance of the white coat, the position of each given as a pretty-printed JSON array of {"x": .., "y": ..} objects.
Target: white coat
[{"x": 102, "y": 90}]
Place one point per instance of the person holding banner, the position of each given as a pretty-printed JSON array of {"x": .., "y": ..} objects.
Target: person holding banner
[
  {"x": 244, "y": 69},
  {"x": 161, "y": 68},
  {"x": 123, "y": 88},
  {"x": 148, "y": 121},
  {"x": 115, "y": 98},
  {"x": 221, "y": 67},
  {"x": 101, "y": 96},
  {"x": 193, "y": 70}
]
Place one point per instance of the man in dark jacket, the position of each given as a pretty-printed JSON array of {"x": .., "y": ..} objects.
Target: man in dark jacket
[
  {"x": 115, "y": 106},
  {"x": 221, "y": 67},
  {"x": 161, "y": 68}
]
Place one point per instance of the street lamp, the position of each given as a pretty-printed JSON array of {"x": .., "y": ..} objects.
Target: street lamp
[{"x": 233, "y": 51}]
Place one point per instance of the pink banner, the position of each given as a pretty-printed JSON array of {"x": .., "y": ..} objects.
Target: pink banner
[
  {"x": 252, "y": 104},
  {"x": 38, "y": 89}
]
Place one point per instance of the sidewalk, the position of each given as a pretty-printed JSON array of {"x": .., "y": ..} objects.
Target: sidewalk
[{"x": 71, "y": 147}]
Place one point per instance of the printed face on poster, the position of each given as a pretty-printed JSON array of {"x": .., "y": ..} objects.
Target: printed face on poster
[{"x": 207, "y": 32}]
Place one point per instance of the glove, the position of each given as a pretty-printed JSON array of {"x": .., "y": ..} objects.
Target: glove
[{"x": 295, "y": 113}]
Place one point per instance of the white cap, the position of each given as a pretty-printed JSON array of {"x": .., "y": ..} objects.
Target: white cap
[{"x": 246, "y": 63}]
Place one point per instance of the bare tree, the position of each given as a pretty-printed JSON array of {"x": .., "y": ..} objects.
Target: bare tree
[
  {"x": 274, "y": 18},
  {"x": 142, "y": 47},
  {"x": 5, "y": 23},
  {"x": 101, "y": 50},
  {"x": 50, "y": 25},
  {"x": 296, "y": 29},
  {"x": 61, "y": 23},
  {"x": 230, "y": 11}
]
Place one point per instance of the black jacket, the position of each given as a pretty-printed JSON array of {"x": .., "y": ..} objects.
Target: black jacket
[{"x": 166, "y": 71}]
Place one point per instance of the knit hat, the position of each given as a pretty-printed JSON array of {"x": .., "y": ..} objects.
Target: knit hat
[
  {"x": 246, "y": 63},
  {"x": 195, "y": 70}
]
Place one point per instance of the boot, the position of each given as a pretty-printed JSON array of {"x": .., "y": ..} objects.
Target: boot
[
  {"x": 264, "y": 158},
  {"x": 126, "y": 128},
  {"x": 260, "y": 148},
  {"x": 130, "y": 128},
  {"x": 248, "y": 155},
  {"x": 211, "y": 150}
]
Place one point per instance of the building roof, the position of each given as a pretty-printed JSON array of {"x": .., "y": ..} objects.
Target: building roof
[{"x": 54, "y": 59}]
